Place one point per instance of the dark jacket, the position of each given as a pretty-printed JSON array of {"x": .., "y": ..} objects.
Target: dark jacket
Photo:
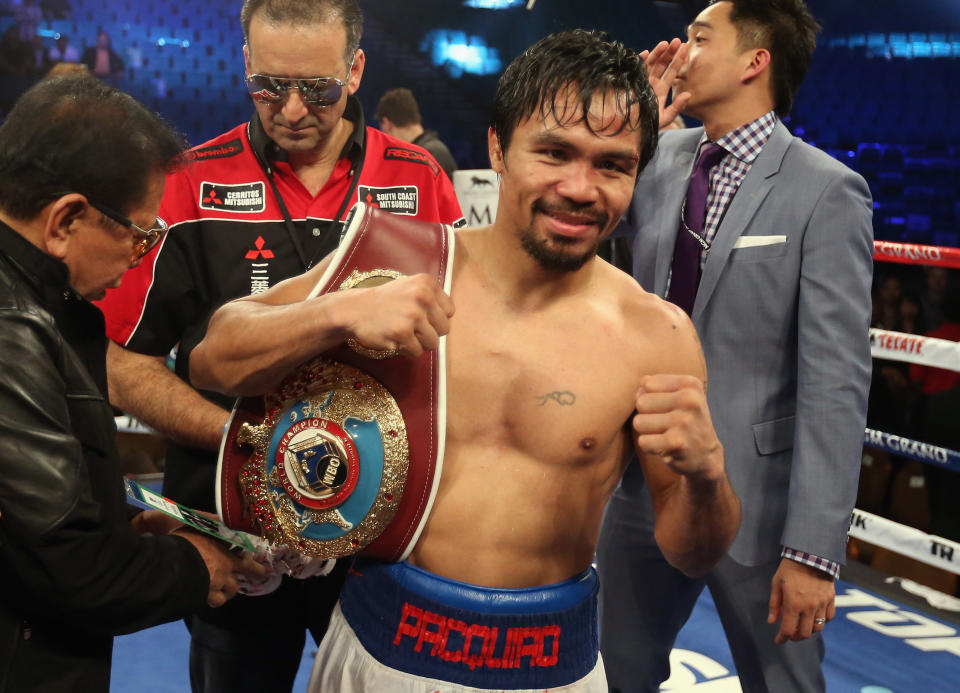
[
  {"x": 430, "y": 141},
  {"x": 73, "y": 572}
]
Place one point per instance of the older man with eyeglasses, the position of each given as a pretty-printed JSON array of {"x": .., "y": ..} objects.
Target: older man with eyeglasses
[
  {"x": 75, "y": 569},
  {"x": 261, "y": 203}
]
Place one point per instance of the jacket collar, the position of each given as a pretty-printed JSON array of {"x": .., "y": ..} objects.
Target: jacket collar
[
  {"x": 46, "y": 276},
  {"x": 267, "y": 150},
  {"x": 426, "y": 136}
]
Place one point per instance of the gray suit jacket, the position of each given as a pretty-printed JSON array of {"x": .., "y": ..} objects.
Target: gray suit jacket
[{"x": 785, "y": 328}]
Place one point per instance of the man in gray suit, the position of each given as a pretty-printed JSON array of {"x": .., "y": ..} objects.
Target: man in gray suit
[{"x": 778, "y": 286}]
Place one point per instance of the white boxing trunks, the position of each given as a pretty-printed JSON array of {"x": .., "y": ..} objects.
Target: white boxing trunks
[{"x": 401, "y": 629}]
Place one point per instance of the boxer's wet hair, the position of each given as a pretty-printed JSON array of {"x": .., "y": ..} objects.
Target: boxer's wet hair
[
  {"x": 307, "y": 12},
  {"x": 786, "y": 29},
  {"x": 537, "y": 82},
  {"x": 76, "y": 134}
]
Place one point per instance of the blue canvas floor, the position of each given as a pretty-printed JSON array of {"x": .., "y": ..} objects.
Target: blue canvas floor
[
  {"x": 875, "y": 645},
  {"x": 155, "y": 661}
]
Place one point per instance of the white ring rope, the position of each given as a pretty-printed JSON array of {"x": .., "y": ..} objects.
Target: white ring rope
[
  {"x": 923, "y": 547},
  {"x": 914, "y": 348}
]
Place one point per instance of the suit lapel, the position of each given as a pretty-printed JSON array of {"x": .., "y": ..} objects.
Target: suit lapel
[{"x": 757, "y": 184}]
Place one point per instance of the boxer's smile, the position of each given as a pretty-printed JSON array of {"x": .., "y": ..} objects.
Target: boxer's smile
[{"x": 571, "y": 223}]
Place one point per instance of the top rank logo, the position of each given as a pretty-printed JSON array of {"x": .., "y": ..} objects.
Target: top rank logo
[{"x": 245, "y": 197}]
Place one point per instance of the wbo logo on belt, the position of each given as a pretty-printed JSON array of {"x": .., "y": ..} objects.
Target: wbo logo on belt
[
  {"x": 302, "y": 484},
  {"x": 344, "y": 456}
]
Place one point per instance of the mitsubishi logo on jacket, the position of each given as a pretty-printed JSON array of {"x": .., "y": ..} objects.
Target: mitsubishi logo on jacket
[{"x": 259, "y": 250}]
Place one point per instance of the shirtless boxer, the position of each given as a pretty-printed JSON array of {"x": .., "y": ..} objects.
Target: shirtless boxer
[{"x": 552, "y": 353}]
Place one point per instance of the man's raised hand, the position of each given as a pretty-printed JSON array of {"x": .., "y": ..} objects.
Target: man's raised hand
[{"x": 663, "y": 63}]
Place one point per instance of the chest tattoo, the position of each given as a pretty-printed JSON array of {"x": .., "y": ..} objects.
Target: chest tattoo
[{"x": 564, "y": 398}]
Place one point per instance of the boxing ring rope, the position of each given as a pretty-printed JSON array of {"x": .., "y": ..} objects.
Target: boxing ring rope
[
  {"x": 927, "y": 453},
  {"x": 917, "y": 544},
  {"x": 913, "y": 254},
  {"x": 939, "y": 353},
  {"x": 913, "y": 348},
  {"x": 926, "y": 351}
]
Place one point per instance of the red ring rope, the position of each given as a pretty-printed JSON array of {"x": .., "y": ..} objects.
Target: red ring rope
[{"x": 913, "y": 254}]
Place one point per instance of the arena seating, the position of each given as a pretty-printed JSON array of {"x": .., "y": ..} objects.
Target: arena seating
[{"x": 872, "y": 100}]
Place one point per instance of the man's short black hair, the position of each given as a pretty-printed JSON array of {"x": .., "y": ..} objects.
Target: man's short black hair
[
  {"x": 308, "y": 12},
  {"x": 400, "y": 107},
  {"x": 76, "y": 134},
  {"x": 588, "y": 63},
  {"x": 788, "y": 30}
]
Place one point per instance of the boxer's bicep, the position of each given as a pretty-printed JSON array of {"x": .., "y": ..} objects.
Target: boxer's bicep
[
  {"x": 678, "y": 353},
  {"x": 684, "y": 350}
]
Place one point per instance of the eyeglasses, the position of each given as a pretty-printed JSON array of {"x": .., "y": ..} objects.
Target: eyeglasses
[
  {"x": 316, "y": 91},
  {"x": 144, "y": 240}
]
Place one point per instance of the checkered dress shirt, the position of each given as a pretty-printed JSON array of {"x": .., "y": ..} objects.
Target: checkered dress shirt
[
  {"x": 743, "y": 146},
  {"x": 813, "y": 561}
]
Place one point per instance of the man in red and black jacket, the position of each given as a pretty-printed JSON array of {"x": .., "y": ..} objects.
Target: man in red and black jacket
[{"x": 260, "y": 203}]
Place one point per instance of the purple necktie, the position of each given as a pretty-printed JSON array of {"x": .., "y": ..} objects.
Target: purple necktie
[{"x": 685, "y": 270}]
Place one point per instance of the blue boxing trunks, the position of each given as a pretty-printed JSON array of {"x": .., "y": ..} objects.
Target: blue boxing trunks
[{"x": 402, "y": 629}]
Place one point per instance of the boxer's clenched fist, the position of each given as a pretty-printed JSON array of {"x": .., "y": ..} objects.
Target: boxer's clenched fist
[
  {"x": 673, "y": 422},
  {"x": 408, "y": 315}
]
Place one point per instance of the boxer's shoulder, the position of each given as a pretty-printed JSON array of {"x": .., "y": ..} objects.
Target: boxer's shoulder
[
  {"x": 663, "y": 334},
  {"x": 467, "y": 240},
  {"x": 642, "y": 310}
]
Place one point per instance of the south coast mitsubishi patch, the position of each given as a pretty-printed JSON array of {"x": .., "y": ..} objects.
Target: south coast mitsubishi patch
[
  {"x": 401, "y": 199},
  {"x": 246, "y": 198}
]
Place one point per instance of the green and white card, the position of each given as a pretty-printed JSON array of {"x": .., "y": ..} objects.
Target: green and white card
[{"x": 144, "y": 497}]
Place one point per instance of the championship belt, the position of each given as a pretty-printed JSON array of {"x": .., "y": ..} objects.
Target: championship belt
[{"x": 344, "y": 456}]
